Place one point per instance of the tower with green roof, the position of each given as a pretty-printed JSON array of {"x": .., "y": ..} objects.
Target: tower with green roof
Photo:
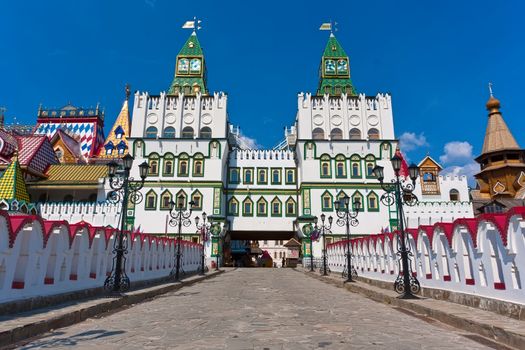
[
  {"x": 190, "y": 69},
  {"x": 334, "y": 72},
  {"x": 12, "y": 184}
]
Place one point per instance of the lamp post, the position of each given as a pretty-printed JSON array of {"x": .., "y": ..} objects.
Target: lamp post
[
  {"x": 179, "y": 217},
  {"x": 400, "y": 192},
  {"x": 323, "y": 228},
  {"x": 347, "y": 218},
  {"x": 311, "y": 249},
  {"x": 204, "y": 229},
  {"x": 125, "y": 189}
]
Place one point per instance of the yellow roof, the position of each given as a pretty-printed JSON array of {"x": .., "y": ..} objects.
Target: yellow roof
[
  {"x": 80, "y": 174},
  {"x": 123, "y": 122},
  {"x": 497, "y": 136},
  {"x": 12, "y": 184}
]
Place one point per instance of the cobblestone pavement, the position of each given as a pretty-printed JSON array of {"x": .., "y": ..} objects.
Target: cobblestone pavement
[{"x": 258, "y": 309}]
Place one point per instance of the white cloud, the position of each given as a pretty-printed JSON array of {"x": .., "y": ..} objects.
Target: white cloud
[
  {"x": 409, "y": 141},
  {"x": 150, "y": 3},
  {"x": 469, "y": 170},
  {"x": 457, "y": 152},
  {"x": 459, "y": 161},
  {"x": 246, "y": 142}
]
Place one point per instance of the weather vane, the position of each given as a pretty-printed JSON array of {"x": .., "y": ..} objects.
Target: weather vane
[
  {"x": 195, "y": 24},
  {"x": 490, "y": 89},
  {"x": 331, "y": 26}
]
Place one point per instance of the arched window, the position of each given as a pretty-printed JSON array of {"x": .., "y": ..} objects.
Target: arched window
[
  {"x": 247, "y": 207},
  {"x": 169, "y": 132},
  {"x": 340, "y": 166},
  {"x": 233, "y": 207},
  {"x": 336, "y": 134},
  {"x": 205, "y": 133},
  {"x": 187, "y": 132},
  {"x": 182, "y": 199},
  {"x": 198, "y": 165},
  {"x": 355, "y": 134},
  {"x": 248, "y": 176},
  {"x": 454, "y": 195},
  {"x": 358, "y": 197},
  {"x": 153, "y": 162},
  {"x": 262, "y": 207},
  {"x": 151, "y": 132},
  {"x": 151, "y": 200},
  {"x": 290, "y": 207},
  {"x": 325, "y": 166},
  {"x": 327, "y": 201},
  {"x": 276, "y": 176},
  {"x": 108, "y": 147},
  {"x": 276, "y": 207},
  {"x": 183, "y": 165},
  {"x": 168, "y": 165},
  {"x": 373, "y": 134},
  {"x": 355, "y": 166},
  {"x": 373, "y": 202},
  {"x": 196, "y": 197},
  {"x": 165, "y": 200},
  {"x": 370, "y": 163},
  {"x": 318, "y": 134}
]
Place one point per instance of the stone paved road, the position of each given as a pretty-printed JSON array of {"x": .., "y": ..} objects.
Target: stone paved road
[{"x": 258, "y": 309}]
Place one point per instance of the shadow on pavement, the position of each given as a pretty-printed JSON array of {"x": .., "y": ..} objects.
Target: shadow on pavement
[{"x": 70, "y": 341}]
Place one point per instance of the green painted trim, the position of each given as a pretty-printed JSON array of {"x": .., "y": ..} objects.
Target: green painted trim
[
  {"x": 355, "y": 194},
  {"x": 244, "y": 171},
  {"x": 162, "y": 195},
  {"x": 169, "y": 183},
  {"x": 359, "y": 169},
  {"x": 323, "y": 195},
  {"x": 314, "y": 146},
  {"x": 287, "y": 214},
  {"x": 307, "y": 204},
  {"x": 210, "y": 146},
  {"x": 247, "y": 200},
  {"x": 344, "y": 175},
  {"x": 261, "y": 191},
  {"x": 185, "y": 206},
  {"x": 265, "y": 170},
  {"x": 280, "y": 176},
  {"x": 262, "y": 200},
  {"x": 187, "y": 173},
  {"x": 331, "y": 185},
  {"x": 195, "y": 159},
  {"x": 146, "y": 200},
  {"x": 238, "y": 171},
  {"x": 286, "y": 170},
  {"x": 202, "y": 199},
  {"x": 325, "y": 158},
  {"x": 376, "y": 209},
  {"x": 280, "y": 213},
  {"x": 236, "y": 212}
]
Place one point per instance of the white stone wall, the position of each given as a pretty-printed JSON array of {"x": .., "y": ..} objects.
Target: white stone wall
[{"x": 345, "y": 112}]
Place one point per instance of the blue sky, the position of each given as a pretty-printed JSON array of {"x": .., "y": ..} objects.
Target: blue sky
[{"x": 435, "y": 58}]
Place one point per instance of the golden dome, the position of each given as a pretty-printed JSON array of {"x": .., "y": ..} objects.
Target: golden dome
[{"x": 493, "y": 103}]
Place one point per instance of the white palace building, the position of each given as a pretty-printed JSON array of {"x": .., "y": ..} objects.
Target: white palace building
[{"x": 270, "y": 196}]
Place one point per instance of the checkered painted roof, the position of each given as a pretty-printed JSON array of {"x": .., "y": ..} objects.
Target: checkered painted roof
[
  {"x": 12, "y": 184},
  {"x": 122, "y": 124}
]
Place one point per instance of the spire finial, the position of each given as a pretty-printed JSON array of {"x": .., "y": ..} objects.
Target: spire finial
[
  {"x": 490, "y": 89},
  {"x": 330, "y": 25},
  {"x": 127, "y": 89},
  {"x": 195, "y": 25}
]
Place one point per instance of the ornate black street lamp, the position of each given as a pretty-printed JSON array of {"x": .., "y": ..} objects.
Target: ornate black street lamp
[
  {"x": 204, "y": 229},
  {"x": 179, "y": 217},
  {"x": 347, "y": 218},
  {"x": 401, "y": 192},
  {"x": 323, "y": 228},
  {"x": 125, "y": 189}
]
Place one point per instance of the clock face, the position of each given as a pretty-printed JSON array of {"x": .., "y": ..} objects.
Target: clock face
[
  {"x": 329, "y": 67},
  {"x": 183, "y": 65},
  {"x": 195, "y": 65},
  {"x": 342, "y": 67}
]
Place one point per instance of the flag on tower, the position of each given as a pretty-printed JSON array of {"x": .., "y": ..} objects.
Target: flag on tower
[
  {"x": 326, "y": 26},
  {"x": 189, "y": 25}
]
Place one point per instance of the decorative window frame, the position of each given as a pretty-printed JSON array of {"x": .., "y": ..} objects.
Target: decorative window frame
[
  {"x": 185, "y": 195},
  {"x": 162, "y": 195},
  {"x": 153, "y": 157},
  {"x": 280, "y": 213},
  {"x": 197, "y": 193},
  {"x": 370, "y": 159},
  {"x": 338, "y": 160},
  {"x": 265, "y": 171},
  {"x": 358, "y": 194},
  {"x": 183, "y": 158},
  {"x": 265, "y": 213},
  {"x": 355, "y": 159},
  {"x": 230, "y": 212},
  {"x": 150, "y": 193},
  {"x": 238, "y": 171},
  {"x": 327, "y": 194},
  {"x": 286, "y": 171},
  {"x": 244, "y": 202},
  {"x": 272, "y": 170},
  {"x": 290, "y": 199},
  {"x": 370, "y": 195},
  {"x": 244, "y": 171},
  {"x": 168, "y": 157},
  {"x": 198, "y": 157},
  {"x": 325, "y": 159}
]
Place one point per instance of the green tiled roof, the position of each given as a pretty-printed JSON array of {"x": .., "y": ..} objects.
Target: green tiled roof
[
  {"x": 335, "y": 84},
  {"x": 191, "y": 49},
  {"x": 333, "y": 48}
]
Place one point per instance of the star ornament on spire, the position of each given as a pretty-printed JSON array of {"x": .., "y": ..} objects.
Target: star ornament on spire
[{"x": 195, "y": 24}]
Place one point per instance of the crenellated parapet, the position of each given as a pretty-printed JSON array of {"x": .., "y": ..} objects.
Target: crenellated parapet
[
  {"x": 98, "y": 213},
  {"x": 262, "y": 155},
  {"x": 45, "y": 257},
  {"x": 480, "y": 256}
]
